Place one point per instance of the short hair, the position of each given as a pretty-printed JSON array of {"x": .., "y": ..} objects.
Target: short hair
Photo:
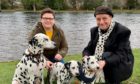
[{"x": 47, "y": 10}]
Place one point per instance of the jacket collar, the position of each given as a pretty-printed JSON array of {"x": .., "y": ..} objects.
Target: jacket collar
[{"x": 55, "y": 30}]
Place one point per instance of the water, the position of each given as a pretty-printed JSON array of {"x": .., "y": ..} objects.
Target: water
[{"x": 16, "y": 26}]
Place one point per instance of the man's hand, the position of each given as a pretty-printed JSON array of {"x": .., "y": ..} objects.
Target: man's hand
[
  {"x": 101, "y": 64},
  {"x": 58, "y": 57},
  {"x": 86, "y": 56}
]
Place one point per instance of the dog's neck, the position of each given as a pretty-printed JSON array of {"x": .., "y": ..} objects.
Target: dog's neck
[
  {"x": 35, "y": 50},
  {"x": 29, "y": 53},
  {"x": 69, "y": 74},
  {"x": 36, "y": 58},
  {"x": 89, "y": 73}
]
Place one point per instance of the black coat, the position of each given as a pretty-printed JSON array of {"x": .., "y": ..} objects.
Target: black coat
[{"x": 117, "y": 53}]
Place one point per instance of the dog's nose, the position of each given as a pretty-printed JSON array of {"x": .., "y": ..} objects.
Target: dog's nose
[
  {"x": 77, "y": 74},
  {"x": 54, "y": 43},
  {"x": 98, "y": 67}
]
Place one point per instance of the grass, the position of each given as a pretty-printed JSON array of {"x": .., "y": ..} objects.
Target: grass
[{"x": 7, "y": 69}]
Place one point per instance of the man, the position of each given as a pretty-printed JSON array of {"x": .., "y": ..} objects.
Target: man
[
  {"x": 48, "y": 27},
  {"x": 110, "y": 44}
]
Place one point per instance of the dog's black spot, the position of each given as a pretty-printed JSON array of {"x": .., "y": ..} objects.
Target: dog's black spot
[
  {"x": 25, "y": 62},
  {"x": 40, "y": 69},
  {"x": 34, "y": 47},
  {"x": 25, "y": 73},
  {"x": 25, "y": 82},
  {"x": 57, "y": 73},
  {"x": 28, "y": 58},
  {"x": 22, "y": 75},
  {"x": 30, "y": 65},
  {"x": 19, "y": 78},
  {"x": 16, "y": 75},
  {"x": 22, "y": 61},
  {"x": 39, "y": 45},
  {"x": 26, "y": 70},
  {"x": 20, "y": 81},
  {"x": 40, "y": 79},
  {"x": 20, "y": 68},
  {"x": 62, "y": 71},
  {"x": 17, "y": 66}
]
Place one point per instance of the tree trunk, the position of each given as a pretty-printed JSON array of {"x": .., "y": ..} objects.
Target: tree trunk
[
  {"x": 0, "y": 5},
  {"x": 34, "y": 7}
]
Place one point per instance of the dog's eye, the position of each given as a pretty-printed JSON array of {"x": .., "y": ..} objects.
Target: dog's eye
[
  {"x": 73, "y": 67},
  {"x": 39, "y": 45},
  {"x": 84, "y": 62},
  {"x": 92, "y": 62},
  {"x": 46, "y": 39}
]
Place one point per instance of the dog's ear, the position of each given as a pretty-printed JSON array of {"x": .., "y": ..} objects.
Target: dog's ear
[
  {"x": 33, "y": 41},
  {"x": 67, "y": 65}
]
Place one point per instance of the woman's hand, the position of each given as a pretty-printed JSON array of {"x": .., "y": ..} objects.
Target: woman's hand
[
  {"x": 58, "y": 57},
  {"x": 48, "y": 64}
]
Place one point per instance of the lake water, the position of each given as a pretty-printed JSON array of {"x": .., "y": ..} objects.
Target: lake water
[{"x": 15, "y": 27}]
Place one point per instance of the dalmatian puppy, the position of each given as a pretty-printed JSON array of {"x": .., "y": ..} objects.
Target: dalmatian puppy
[
  {"x": 90, "y": 68},
  {"x": 29, "y": 69},
  {"x": 64, "y": 73}
]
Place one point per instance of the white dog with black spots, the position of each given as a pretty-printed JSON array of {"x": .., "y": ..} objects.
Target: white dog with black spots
[
  {"x": 64, "y": 73},
  {"x": 90, "y": 68},
  {"x": 29, "y": 69}
]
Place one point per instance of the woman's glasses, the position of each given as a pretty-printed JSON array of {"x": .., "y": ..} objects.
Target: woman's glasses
[{"x": 47, "y": 18}]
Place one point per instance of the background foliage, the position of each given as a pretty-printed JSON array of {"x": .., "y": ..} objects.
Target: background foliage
[{"x": 68, "y": 4}]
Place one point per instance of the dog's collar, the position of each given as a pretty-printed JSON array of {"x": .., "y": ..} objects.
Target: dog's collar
[{"x": 82, "y": 77}]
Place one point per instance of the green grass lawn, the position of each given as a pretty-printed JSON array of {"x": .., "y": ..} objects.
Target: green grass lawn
[{"x": 7, "y": 69}]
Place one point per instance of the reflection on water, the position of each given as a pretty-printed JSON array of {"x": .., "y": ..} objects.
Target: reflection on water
[{"x": 15, "y": 27}]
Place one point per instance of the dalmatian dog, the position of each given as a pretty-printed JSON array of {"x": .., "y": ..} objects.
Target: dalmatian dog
[
  {"x": 90, "y": 68},
  {"x": 64, "y": 73},
  {"x": 30, "y": 68}
]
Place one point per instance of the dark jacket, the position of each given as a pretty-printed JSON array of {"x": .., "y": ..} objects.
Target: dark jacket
[
  {"x": 58, "y": 37},
  {"x": 117, "y": 53}
]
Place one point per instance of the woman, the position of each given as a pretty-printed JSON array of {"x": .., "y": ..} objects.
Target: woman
[{"x": 48, "y": 27}]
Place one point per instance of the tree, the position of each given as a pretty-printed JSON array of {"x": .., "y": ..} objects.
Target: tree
[
  {"x": 5, "y": 4},
  {"x": 50, "y": 3},
  {"x": 92, "y": 4},
  {"x": 11, "y": 2},
  {"x": 59, "y": 4},
  {"x": 33, "y": 4},
  {"x": 132, "y": 4}
]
